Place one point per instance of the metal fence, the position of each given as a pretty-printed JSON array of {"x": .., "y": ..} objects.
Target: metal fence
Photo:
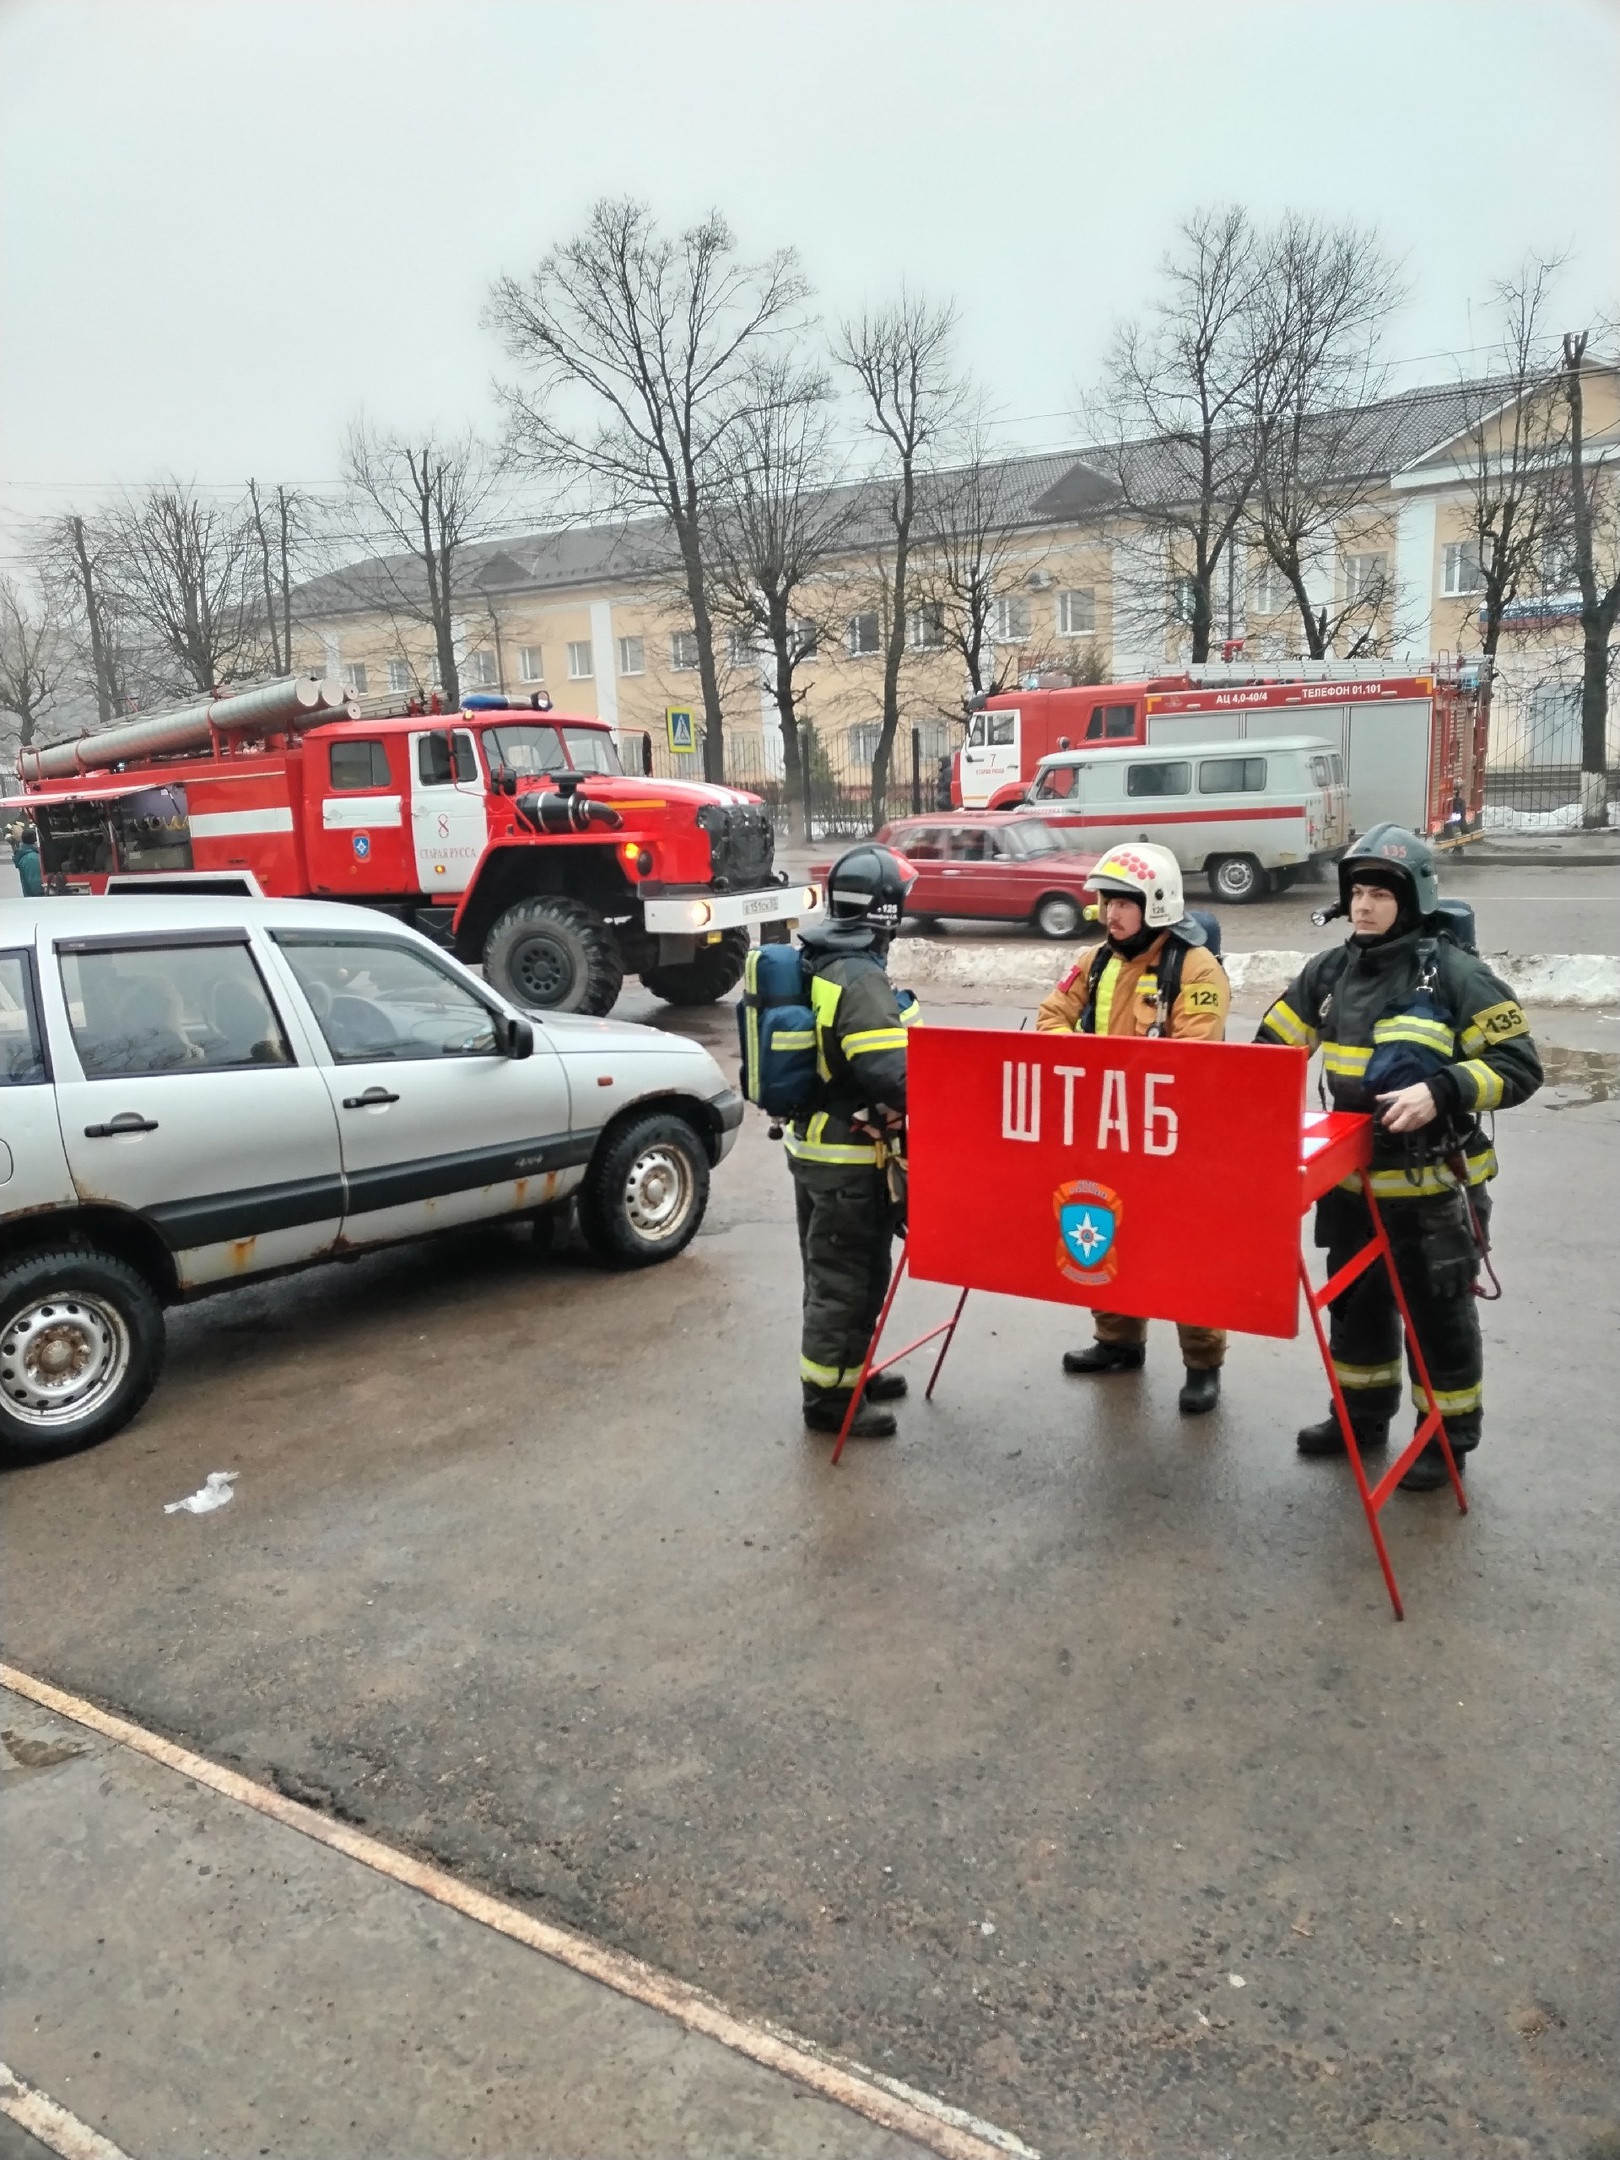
[
  {"x": 1533, "y": 764},
  {"x": 840, "y": 780}
]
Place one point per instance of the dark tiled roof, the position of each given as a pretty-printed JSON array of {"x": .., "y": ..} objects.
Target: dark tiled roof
[{"x": 1052, "y": 487}]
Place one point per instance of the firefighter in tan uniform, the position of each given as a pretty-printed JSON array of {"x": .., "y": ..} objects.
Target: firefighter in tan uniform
[{"x": 1153, "y": 975}]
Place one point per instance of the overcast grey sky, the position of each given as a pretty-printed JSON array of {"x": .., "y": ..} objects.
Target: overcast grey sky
[{"x": 226, "y": 225}]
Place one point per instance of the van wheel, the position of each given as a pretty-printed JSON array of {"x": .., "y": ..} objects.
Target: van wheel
[
  {"x": 1236, "y": 878},
  {"x": 81, "y": 1347},
  {"x": 1058, "y": 916},
  {"x": 706, "y": 977},
  {"x": 554, "y": 954},
  {"x": 645, "y": 1192}
]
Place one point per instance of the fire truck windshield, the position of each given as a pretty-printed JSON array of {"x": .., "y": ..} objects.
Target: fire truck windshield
[{"x": 534, "y": 749}]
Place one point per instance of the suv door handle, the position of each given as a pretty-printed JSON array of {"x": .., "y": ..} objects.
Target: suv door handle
[
  {"x": 372, "y": 1099},
  {"x": 125, "y": 1121}
]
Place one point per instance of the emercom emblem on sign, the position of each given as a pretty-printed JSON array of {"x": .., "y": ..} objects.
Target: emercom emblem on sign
[{"x": 1089, "y": 1216}]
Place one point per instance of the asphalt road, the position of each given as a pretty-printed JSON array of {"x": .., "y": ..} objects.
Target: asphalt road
[
  {"x": 1521, "y": 909},
  {"x": 996, "y": 1758}
]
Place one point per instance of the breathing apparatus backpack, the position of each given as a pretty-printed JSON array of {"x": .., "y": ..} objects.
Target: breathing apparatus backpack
[
  {"x": 776, "y": 1031},
  {"x": 1171, "y": 961}
]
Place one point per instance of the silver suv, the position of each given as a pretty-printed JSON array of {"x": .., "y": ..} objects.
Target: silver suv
[{"x": 198, "y": 1091}]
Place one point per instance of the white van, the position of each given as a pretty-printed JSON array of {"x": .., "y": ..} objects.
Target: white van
[{"x": 1251, "y": 815}]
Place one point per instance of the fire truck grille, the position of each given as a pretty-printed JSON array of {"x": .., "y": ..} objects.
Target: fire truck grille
[{"x": 741, "y": 842}]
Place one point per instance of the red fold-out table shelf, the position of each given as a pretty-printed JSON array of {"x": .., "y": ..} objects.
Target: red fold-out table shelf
[{"x": 1202, "y": 1160}]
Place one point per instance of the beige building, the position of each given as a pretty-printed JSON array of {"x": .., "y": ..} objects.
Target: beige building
[{"x": 592, "y": 616}]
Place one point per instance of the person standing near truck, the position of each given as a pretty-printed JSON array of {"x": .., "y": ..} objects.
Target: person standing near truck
[
  {"x": 844, "y": 1150},
  {"x": 1153, "y": 975},
  {"x": 1415, "y": 1029}
]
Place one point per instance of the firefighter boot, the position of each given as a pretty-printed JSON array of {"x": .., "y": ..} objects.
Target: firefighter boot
[
  {"x": 1327, "y": 1439},
  {"x": 824, "y": 1410},
  {"x": 1202, "y": 1390},
  {"x": 1428, "y": 1473},
  {"x": 885, "y": 1387},
  {"x": 1105, "y": 1357}
]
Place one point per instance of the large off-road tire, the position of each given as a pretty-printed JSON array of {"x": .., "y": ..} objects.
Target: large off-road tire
[
  {"x": 81, "y": 1346},
  {"x": 645, "y": 1192},
  {"x": 706, "y": 977},
  {"x": 553, "y": 954}
]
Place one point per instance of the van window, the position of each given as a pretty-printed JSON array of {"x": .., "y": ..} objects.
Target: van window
[
  {"x": 1001, "y": 726},
  {"x": 359, "y": 764},
  {"x": 1338, "y": 770},
  {"x": 1168, "y": 779},
  {"x": 1232, "y": 775},
  {"x": 1322, "y": 771},
  {"x": 1056, "y": 783}
]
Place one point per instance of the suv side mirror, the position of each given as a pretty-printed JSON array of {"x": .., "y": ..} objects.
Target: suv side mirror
[{"x": 517, "y": 1038}]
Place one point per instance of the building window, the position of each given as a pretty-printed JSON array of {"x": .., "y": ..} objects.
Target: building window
[
  {"x": 806, "y": 638},
  {"x": 1271, "y": 590},
  {"x": 580, "y": 668},
  {"x": 862, "y": 741},
  {"x": 1077, "y": 612},
  {"x": 480, "y": 670},
  {"x": 354, "y": 677},
  {"x": 741, "y": 650},
  {"x": 531, "y": 664},
  {"x": 1009, "y": 620},
  {"x": 1365, "y": 576},
  {"x": 925, "y": 627},
  {"x": 1558, "y": 565},
  {"x": 683, "y": 649},
  {"x": 1461, "y": 568},
  {"x": 632, "y": 656},
  {"x": 399, "y": 677},
  {"x": 863, "y": 636}
]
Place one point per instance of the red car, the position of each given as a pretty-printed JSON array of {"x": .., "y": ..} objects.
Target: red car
[{"x": 993, "y": 867}]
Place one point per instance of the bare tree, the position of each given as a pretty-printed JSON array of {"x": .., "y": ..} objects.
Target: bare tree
[
  {"x": 778, "y": 516},
  {"x": 70, "y": 563},
  {"x": 1594, "y": 532},
  {"x": 1325, "y": 295},
  {"x": 976, "y": 554},
  {"x": 428, "y": 495},
  {"x": 280, "y": 527},
  {"x": 1515, "y": 456},
  {"x": 35, "y": 658},
  {"x": 902, "y": 358},
  {"x": 636, "y": 345},
  {"x": 1180, "y": 403},
  {"x": 178, "y": 567}
]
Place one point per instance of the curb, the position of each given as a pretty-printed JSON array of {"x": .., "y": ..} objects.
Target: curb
[{"x": 1586, "y": 980}]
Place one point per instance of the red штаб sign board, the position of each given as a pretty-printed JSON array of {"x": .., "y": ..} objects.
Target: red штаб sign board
[{"x": 1150, "y": 1177}]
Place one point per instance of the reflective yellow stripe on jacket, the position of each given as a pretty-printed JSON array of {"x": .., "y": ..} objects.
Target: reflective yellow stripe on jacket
[
  {"x": 1283, "y": 1022},
  {"x": 1431, "y": 1178},
  {"x": 813, "y": 1148}
]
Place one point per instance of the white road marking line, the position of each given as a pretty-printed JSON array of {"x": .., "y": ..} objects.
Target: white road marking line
[
  {"x": 949, "y": 2131},
  {"x": 42, "y": 2118}
]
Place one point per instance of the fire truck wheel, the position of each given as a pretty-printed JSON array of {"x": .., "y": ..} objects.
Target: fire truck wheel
[
  {"x": 705, "y": 979},
  {"x": 81, "y": 1346},
  {"x": 1237, "y": 878},
  {"x": 645, "y": 1192},
  {"x": 554, "y": 954}
]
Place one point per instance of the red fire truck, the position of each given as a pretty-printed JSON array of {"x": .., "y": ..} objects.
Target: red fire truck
[
  {"x": 1413, "y": 744},
  {"x": 506, "y": 831}
]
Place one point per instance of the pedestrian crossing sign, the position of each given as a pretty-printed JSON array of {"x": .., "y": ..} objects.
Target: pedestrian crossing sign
[{"x": 678, "y": 723}]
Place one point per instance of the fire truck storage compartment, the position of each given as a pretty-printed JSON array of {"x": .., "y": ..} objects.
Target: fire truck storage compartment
[{"x": 145, "y": 831}]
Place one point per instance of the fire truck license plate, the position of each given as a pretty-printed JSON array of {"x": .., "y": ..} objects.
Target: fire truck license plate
[{"x": 764, "y": 905}]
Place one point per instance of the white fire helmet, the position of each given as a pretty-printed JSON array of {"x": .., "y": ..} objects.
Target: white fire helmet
[{"x": 1142, "y": 872}]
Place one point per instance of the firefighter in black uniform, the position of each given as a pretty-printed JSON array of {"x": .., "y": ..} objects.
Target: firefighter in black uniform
[
  {"x": 1414, "y": 1028},
  {"x": 846, "y": 1151}
]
